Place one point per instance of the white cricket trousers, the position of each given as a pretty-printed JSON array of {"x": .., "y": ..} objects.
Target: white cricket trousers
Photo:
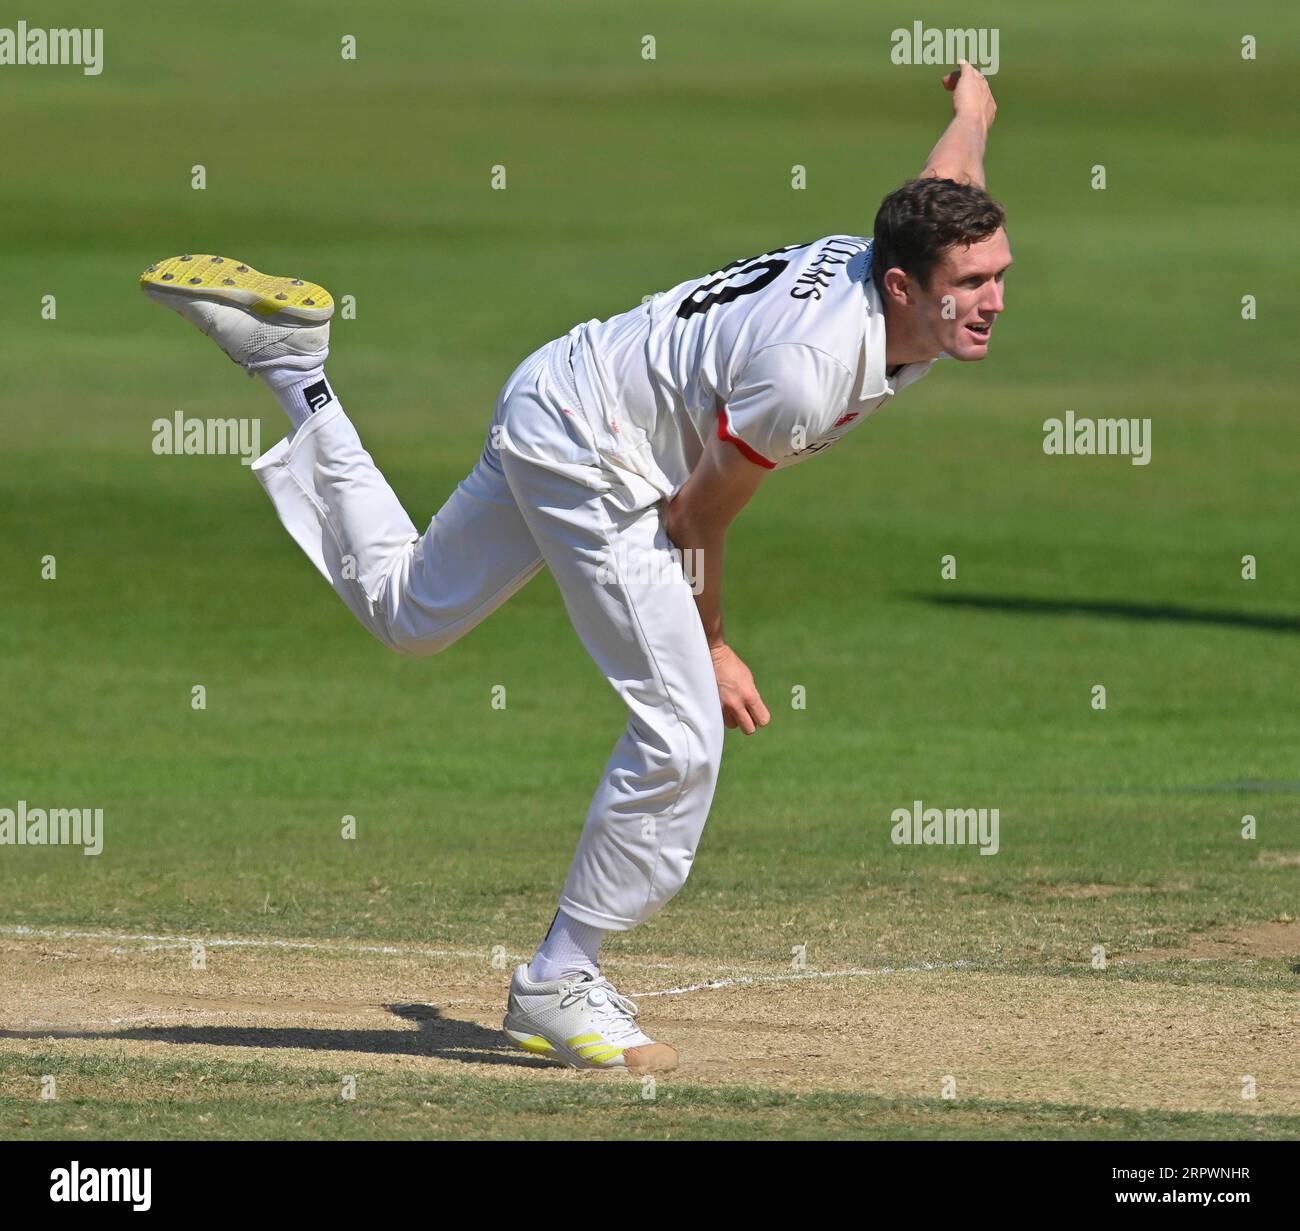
[{"x": 540, "y": 494}]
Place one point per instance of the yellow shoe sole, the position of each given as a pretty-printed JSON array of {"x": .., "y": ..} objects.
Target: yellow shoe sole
[
  {"x": 202, "y": 276},
  {"x": 648, "y": 1058}
]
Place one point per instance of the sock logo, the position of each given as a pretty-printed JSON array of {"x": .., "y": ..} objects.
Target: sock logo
[{"x": 317, "y": 395}]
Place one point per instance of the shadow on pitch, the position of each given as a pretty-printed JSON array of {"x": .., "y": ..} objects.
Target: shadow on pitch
[
  {"x": 1115, "y": 611},
  {"x": 432, "y": 1035}
]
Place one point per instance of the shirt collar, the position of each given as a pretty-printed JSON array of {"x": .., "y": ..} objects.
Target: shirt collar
[{"x": 873, "y": 384}]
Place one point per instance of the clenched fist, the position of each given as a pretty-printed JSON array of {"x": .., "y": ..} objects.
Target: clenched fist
[{"x": 970, "y": 93}]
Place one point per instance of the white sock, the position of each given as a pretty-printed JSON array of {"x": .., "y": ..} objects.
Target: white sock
[
  {"x": 570, "y": 948},
  {"x": 301, "y": 393}
]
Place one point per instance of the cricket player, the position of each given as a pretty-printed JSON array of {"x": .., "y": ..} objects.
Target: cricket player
[{"x": 614, "y": 451}]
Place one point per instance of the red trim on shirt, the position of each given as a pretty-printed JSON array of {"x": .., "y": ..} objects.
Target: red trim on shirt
[{"x": 724, "y": 433}]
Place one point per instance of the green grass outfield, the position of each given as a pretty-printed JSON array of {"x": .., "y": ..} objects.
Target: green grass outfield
[
  {"x": 624, "y": 177},
  {"x": 263, "y": 1100}
]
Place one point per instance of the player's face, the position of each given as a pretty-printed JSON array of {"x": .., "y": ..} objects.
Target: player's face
[{"x": 964, "y": 297}]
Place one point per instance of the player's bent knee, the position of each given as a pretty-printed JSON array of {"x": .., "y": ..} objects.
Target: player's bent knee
[
  {"x": 406, "y": 627},
  {"x": 417, "y": 646},
  {"x": 706, "y": 744},
  {"x": 699, "y": 756},
  {"x": 713, "y": 736}
]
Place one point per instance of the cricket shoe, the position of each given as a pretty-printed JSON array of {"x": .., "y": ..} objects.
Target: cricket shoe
[
  {"x": 583, "y": 1022},
  {"x": 260, "y": 321}
]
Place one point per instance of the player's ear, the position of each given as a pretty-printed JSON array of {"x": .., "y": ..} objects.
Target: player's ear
[{"x": 897, "y": 288}]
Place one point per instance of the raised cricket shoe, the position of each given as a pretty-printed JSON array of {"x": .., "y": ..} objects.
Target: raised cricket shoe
[
  {"x": 583, "y": 1022},
  {"x": 260, "y": 321}
]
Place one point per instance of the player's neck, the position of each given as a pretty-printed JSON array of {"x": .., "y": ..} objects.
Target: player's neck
[{"x": 904, "y": 342}]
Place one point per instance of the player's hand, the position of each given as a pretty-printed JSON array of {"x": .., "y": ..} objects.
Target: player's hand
[
  {"x": 970, "y": 93},
  {"x": 741, "y": 705}
]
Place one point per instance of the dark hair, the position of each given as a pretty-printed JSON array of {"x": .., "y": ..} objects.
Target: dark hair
[{"x": 920, "y": 221}]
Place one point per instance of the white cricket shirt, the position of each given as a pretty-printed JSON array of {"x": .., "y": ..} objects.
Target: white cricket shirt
[{"x": 782, "y": 353}]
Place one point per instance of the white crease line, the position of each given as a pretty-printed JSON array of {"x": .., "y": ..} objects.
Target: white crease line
[
  {"x": 158, "y": 942},
  {"x": 180, "y": 942},
  {"x": 746, "y": 980},
  {"x": 161, "y": 942}
]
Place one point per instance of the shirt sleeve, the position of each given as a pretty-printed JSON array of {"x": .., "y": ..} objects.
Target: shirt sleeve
[{"x": 786, "y": 396}]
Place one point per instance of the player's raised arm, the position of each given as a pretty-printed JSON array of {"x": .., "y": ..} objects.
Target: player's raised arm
[{"x": 959, "y": 155}]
